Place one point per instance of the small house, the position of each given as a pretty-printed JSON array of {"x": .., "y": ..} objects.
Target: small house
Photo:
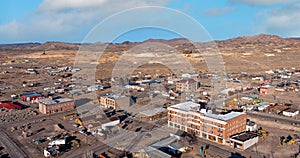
[
  {"x": 290, "y": 112},
  {"x": 30, "y": 97}
]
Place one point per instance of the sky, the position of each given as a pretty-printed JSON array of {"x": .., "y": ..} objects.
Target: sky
[{"x": 75, "y": 20}]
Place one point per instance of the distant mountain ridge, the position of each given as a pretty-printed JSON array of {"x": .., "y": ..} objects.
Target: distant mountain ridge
[{"x": 34, "y": 46}]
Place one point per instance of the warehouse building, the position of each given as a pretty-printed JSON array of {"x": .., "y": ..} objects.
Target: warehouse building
[
  {"x": 9, "y": 105},
  {"x": 30, "y": 97},
  {"x": 57, "y": 105}
]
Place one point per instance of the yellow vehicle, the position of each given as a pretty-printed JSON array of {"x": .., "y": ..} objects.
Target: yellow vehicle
[
  {"x": 292, "y": 141},
  {"x": 79, "y": 121},
  {"x": 263, "y": 132},
  {"x": 288, "y": 140}
]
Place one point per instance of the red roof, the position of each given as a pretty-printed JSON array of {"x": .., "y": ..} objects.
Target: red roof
[{"x": 9, "y": 105}]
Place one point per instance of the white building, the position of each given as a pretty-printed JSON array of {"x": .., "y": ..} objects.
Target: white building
[
  {"x": 243, "y": 141},
  {"x": 290, "y": 112},
  {"x": 251, "y": 126},
  {"x": 113, "y": 122},
  {"x": 190, "y": 75}
]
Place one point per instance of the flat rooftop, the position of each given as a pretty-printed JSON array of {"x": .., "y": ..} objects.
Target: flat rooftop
[
  {"x": 191, "y": 106},
  {"x": 225, "y": 117},
  {"x": 30, "y": 95},
  {"x": 9, "y": 105},
  {"x": 57, "y": 101},
  {"x": 291, "y": 110},
  {"x": 113, "y": 96},
  {"x": 245, "y": 136},
  {"x": 153, "y": 111},
  {"x": 187, "y": 106}
]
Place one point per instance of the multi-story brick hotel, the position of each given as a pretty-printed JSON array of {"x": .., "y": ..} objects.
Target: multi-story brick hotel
[{"x": 190, "y": 118}]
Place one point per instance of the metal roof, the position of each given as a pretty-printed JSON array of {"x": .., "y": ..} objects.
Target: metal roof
[
  {"x": 154, "y": 111},
  {"x": 225, "y": 117},
  {"x": 187, "y": 106},
  {"x": 57, "y": 101},
  {"x": 191, "y": 106}
]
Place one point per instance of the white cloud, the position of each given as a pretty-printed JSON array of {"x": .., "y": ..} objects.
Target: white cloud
[
  {"x": 284, "y": 21},
  {"x": 100, "y": 4},
  {"x": 218, "y": 11},
  {"x": 263, "y": 2},
  {"x": 69, "y": 4},
  {"x": 68, "y": 20}
]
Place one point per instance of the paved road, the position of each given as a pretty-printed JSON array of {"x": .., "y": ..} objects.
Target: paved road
[{"x": 11, "y": 147}]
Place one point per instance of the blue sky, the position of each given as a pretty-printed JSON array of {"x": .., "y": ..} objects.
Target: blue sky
[{"x": 72, "y": 20}]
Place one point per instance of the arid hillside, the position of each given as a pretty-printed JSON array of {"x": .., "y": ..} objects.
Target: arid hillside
[{"x": 250, "y": 54}]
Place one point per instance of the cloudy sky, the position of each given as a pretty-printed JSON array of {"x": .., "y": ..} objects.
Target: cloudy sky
[{"x": 72, "y": 20}]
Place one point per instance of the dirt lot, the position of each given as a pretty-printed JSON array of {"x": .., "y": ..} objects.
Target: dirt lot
[
  {"x": 41, "y": 130},
  {"x": 271, "y": 144}
]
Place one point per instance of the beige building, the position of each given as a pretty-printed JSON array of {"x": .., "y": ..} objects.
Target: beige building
[
  {"x": 218, "y": 128},
  {"x": 114, "y": 101},
  {"x": 108, "y": 102},
  {"x": 187, "y": 85}
]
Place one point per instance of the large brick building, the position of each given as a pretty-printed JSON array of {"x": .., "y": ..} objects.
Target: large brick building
[
  {"x": 57, "y": 105},
  {"x": 218, "y": 128},
  {"x": 186, "y": 85}
]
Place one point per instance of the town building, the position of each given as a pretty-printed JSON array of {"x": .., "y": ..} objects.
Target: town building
[
  {"x": 142, "y": 98},
  {"x": 290, "y": 112},
  {"x": 9, "y": 105},
  {"x": 190, "y": 75},
  {"x": 57, "y": 105},
  {"x": 266, "y": 89},
  {"x": 113, "y": 101},
  {"x": 160, "y": 149},
  {"x": 263, "y": 106},
  {"x": 30, "y": 97},
  {"x": 238, "y": 85},
  {"x": 215, "y": 127},
  {"x": 154, "y": 114},
  {"x": 251, "y": 126},
  {"x": 243, "y": 141},
  {"x": 113, "y": 121},
  {"x": 187, "y": 85}
]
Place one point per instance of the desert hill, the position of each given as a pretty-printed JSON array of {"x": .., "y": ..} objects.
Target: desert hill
[{"x": 249, "y": 53}]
